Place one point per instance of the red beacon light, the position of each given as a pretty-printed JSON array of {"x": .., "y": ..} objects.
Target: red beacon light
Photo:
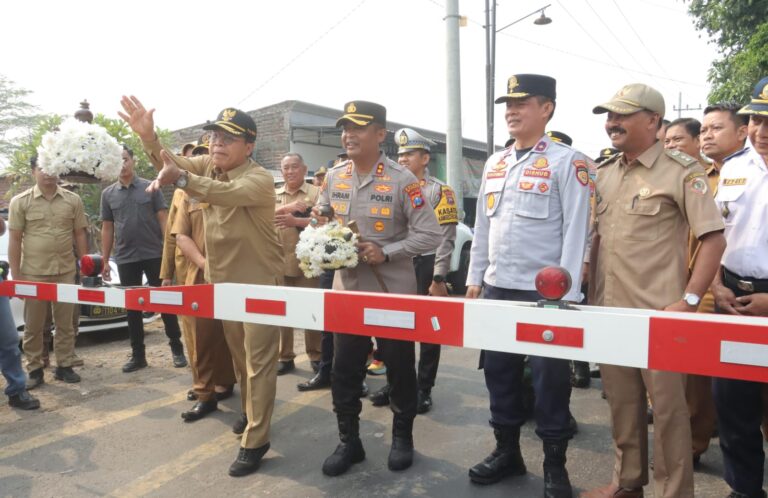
[
  {"x": 91, "y": 266},
  {"x": 553, "y": 282}
]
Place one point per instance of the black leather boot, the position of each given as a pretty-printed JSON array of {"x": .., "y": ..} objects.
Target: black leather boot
[
  {"x": 401, "y": 454},
  {"x": 349, "y": 451},
  {"x": 556, "y": 482},
  {"x": 580, "y": 375},
  {"x": 506, "y": 459}
]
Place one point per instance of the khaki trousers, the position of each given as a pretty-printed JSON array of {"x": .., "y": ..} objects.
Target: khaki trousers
[
  {"x": 701, "y": 408},
  {"x": 254, "y": 349},
  {"x": 673, "y": 462},
  {"x": 311, "y": 337},
  {"x": 212, "y": 365},
  {"x": 35, "y": 312}
]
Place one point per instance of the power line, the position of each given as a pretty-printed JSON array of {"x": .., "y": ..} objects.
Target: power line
[
  {"x": 303, "y": 51},
  {"x": 640, "y": 39},
  {"x": 580, "y": 56},
  {"x": 590, "y": 35},
  {"x": 608, "y": 27}
]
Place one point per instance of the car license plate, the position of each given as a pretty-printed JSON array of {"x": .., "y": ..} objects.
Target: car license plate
[{"x": 102, "y": 311}]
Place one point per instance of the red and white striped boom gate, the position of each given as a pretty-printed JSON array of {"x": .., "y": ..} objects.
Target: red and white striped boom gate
[{"x": 705, "y": 344}]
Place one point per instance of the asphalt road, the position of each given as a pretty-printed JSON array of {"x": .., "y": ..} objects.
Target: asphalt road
[{"x": 121, "y": 435}]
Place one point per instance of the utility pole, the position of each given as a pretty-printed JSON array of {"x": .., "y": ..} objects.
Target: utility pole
[
  {"x": 453, "y": 142},
  {"x": 680, "y": 108}
]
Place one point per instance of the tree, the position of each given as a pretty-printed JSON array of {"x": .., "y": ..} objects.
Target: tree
[
  {"x": 739, "y": 28},
  {"x": 17, "y": 117}
]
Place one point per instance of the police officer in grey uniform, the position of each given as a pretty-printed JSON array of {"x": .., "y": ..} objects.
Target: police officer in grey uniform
[
  {"x": 532, "y": 211},
  {"x": 396, "y": 223},
  {"x": 431, "y": 269}
]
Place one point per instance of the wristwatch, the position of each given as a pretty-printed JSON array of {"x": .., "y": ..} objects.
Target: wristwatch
[
  {"x": 438, "y": 279},
  {"x": 182, "y": 180},
  {"x": 691, "y": 299}
]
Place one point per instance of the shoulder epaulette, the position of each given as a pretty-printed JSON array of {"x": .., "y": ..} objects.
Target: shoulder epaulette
[{"x": 681, "y": 158}]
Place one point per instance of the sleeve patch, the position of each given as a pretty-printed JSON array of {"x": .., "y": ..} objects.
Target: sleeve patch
[{"x": 413, "y": 191}]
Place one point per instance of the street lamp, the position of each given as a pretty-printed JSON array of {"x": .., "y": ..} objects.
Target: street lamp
[{"x": 490, "y": 59}]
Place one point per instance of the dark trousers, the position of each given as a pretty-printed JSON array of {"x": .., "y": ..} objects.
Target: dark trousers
[
  {"x": 326, "y": 338},
  {"x": 130, "y": 275},
  {"x": 351, "y": 352},
  {"x": 429, "y": 354},
  {"x": 739, "y": 406},
  {"x": 504, "y": 379}
]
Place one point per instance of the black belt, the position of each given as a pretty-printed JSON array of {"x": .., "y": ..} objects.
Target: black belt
[
  {"x": 424, "y": 256},
  {"x": 745, "y": 284}
]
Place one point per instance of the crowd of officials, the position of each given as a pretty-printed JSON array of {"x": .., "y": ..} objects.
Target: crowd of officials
[{"x": 685, "y": 198}]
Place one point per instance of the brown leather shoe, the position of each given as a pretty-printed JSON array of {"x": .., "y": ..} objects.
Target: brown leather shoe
[{"x": 613, "y": 491}]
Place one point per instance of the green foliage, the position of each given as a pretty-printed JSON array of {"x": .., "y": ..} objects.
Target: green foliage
[
  {"x": 21, "y": 174},
  {"x": 16, "y": 116},
  {"x": 739, "y": 28}
]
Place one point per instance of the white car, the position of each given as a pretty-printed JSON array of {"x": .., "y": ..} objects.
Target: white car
[
  {"x": 92, "y": 317},
  {"x": 457, "y": 275}
]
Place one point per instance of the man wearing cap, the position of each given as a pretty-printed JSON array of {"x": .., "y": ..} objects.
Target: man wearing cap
[
  {"x": 396, "y": 224},
  {"x": 242, "y": 247},
  {"x": 294, "y": 200},
  {"x": 133, "y": 223},
  {"x": 647, "y": 198},
  {"x": 431, "y": 269},
  {"x": 538, "y": 190},
  {"x": 319, "y": 176},
  {"x": 742, "y": 289}
]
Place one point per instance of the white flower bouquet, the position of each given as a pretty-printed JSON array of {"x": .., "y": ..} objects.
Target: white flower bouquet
[
  {"x": 328, "y": 247},
  {"x": 80, "y": 148}
]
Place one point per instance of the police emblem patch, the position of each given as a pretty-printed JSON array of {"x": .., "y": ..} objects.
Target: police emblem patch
[
  {"x": 379, "y": 226},
  {"x": 582, "y": 175},
  {"x": 525, "y": 185},
  {"x": 499, "y": 166},
  {"x": 541, "y": 163},
  {"x": 342, "y": 186},
  {"x": 644, "y": 192},
  {"x": 351, "y": 108},
  {"x": 414, "y": 192},
  {"x": 382, "y": 188},
  {"x": 541, "y": 146},
  {"x": 543, "y": 187}
]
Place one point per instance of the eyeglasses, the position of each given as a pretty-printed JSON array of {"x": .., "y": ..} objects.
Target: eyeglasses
[{"x": 223, "y": 138}]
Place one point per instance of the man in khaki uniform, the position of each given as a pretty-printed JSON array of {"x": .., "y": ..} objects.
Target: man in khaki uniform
[
  {"x": 242, "y": 247},
  {"x": 647, "y": 198},
  {"x": 44, "y": 223},
  {"x": 396, "y": 223},
  {"x": 294, "y": 199}
]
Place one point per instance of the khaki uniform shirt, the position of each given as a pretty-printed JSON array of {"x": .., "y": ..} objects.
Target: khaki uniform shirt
[
  {"x": 189, "y": 221},
  {"x": 390, "y": 211},
  {"x": 174, "y": 262},
  {"x": 644, "y": 211},
  {"x": 240, "y": 236},
  {"x": 47, "y": 230},
  {"x": 443, "y": 200},
  {"x": 707, "y": 304},
  {"x": 289, "y": 236}
]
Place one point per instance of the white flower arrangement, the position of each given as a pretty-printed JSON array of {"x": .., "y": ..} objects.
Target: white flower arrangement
[
  {"x": 80, "y": 147},
  {"x": 327, "y": 247}
]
